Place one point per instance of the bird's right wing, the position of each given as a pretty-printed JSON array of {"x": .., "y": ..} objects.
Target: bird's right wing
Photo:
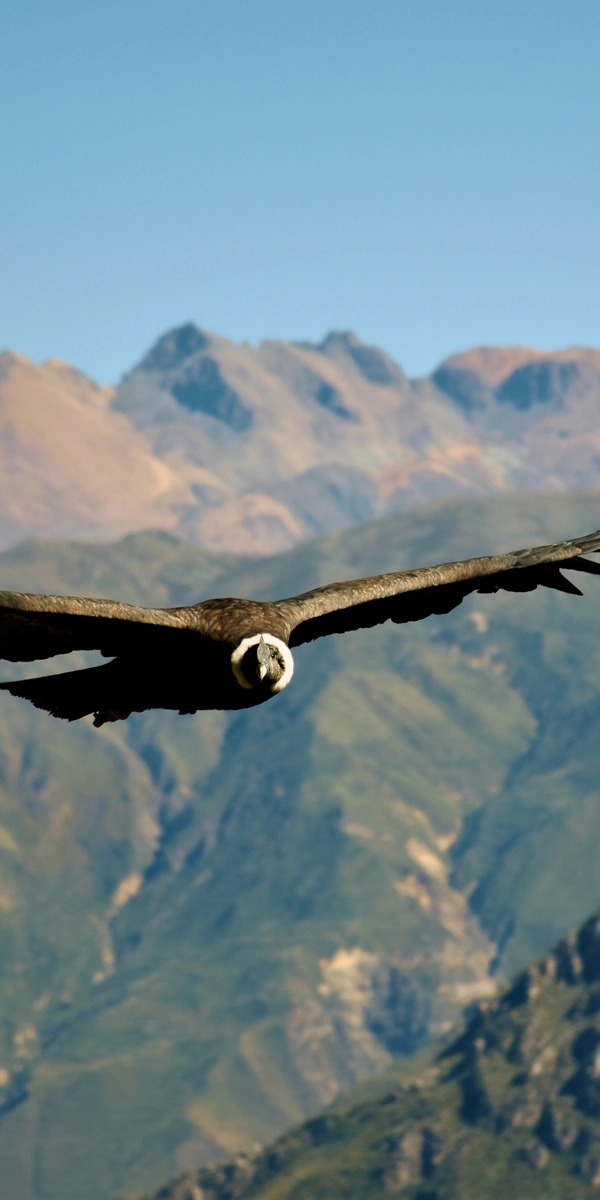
[
  {"x": 412, "y": 595},
  {"x": 34, "y": 626}
]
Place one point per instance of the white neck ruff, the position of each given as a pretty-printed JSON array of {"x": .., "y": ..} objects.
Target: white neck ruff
[{"x": 271, "y": 640}]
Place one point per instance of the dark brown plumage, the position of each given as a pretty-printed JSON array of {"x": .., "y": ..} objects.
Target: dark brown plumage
[{"x": 232, "y": 654}]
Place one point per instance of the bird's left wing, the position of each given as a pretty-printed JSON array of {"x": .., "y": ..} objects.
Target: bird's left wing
[
  {"x": 412, "y": 595},
  {"x": 35, "y": 626}
]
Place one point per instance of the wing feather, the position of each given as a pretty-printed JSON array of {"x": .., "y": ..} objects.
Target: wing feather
[
  {"x": 413, "y": 595},
  {"x": 36, "y": 626}
]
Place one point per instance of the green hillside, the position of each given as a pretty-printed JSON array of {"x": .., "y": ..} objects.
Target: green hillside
[
  {"x": 212, "y": 925},
  {"x": 510, "y": 1107}
]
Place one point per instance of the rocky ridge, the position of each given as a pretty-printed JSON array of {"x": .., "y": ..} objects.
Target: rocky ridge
[{"x": 511, "y": 1106}]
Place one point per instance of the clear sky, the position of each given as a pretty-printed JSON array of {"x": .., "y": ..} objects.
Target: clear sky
[{"x": 426, "y": 173}]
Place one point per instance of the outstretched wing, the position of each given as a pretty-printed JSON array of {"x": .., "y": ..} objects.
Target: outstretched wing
[
  {"x": 33, "y": 626},
  {"x": 412, "y": 595}
]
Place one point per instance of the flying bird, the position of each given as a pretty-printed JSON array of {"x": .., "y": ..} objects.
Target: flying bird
[{"x": 234, "y": 654}]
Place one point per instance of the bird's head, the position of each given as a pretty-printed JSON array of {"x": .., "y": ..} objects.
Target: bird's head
[{"x": 263, "y": 662}]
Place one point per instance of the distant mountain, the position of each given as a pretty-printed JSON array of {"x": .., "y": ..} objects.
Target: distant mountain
[
  {"x": 510, "y": 1108},
  {"x": 254, "y": 449},
  {"x": 210, "y": 926}
]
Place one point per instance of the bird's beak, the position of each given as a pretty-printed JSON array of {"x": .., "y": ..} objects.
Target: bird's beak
[{"x": 264, "y": 659}]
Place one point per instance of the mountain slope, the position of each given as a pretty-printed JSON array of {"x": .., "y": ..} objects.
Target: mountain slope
[
  {"x": 510, "y": 1107},
  {"x": 69, "y": 465},
  {"x": 212, "y": 925}
]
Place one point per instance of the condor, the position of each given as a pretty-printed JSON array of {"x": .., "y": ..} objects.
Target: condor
[{"x": 232, "y": 654}]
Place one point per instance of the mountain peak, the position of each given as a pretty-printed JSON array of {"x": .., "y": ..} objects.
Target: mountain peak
[
  {"x": 174, "y": 347},
  {"x": 494, "y": 364},
  {"x": 491, "y": 363},
  {"x": 372, "y": 363},
  {"x": 344, "y": 339}
]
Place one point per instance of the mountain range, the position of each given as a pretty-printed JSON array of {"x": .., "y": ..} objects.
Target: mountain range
[
  {"x": 211, "y": 926},
  {"x": 253, "y": 449}
]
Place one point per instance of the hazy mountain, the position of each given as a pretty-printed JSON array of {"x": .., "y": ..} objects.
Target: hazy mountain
[
  {"x": 211, "y": 925},
  {"x": 510, "y": 1107},
  {"x": 253, "y": 449}
]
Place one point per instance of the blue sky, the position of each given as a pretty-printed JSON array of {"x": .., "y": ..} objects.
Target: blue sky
[{"x": 425, "y": 173}]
